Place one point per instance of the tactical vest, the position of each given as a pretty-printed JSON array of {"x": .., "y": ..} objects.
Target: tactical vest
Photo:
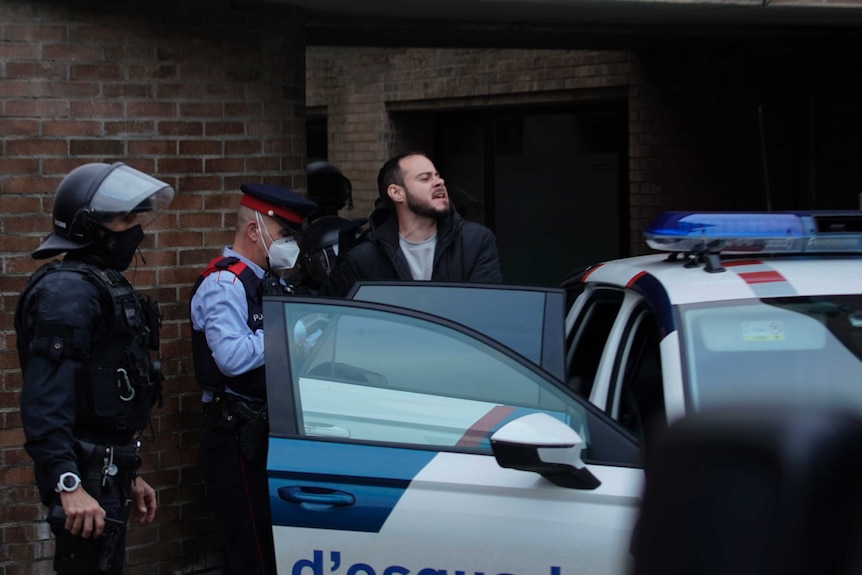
[
  {"x": 119, "y": 382},
  {"x": 208, "y": 375}
]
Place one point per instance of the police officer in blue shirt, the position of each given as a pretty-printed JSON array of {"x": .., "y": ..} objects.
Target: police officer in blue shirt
[{"x": 227, "y": 342}]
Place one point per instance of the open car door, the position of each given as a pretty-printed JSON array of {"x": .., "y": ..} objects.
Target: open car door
[{"x": 402, "y": 442}]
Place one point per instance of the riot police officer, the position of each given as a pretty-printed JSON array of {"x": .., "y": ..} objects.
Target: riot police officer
[
  {"x": 226, "y": 312},
  {"x": 328, "y": 188},
  {"x": 87, "y": 345},
  {"x": 324, "y": 241}
]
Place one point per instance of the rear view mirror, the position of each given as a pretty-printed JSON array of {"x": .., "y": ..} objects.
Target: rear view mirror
[{"x": 543, "y": 445}]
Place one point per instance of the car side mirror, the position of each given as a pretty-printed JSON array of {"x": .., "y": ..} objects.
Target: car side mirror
[{"x": 539, "y": 443}]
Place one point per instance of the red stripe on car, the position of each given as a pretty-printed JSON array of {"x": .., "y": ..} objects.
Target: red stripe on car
[
  {"x": 484, "y": 425},
  {"x": 636, "y": 277},
  {"x": 762, "y": 277},
  {"x": 732, "y": 263}
]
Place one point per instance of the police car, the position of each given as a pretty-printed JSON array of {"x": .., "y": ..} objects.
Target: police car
[
  {"x": 422, "y": 428},
  {"x": 758, "y": 309}
]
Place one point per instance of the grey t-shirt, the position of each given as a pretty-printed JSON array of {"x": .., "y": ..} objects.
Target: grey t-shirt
[{"x": 419, "y": 256}]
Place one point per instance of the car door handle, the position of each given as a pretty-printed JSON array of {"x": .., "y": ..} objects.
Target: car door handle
[{"x": 316, "y": 497}]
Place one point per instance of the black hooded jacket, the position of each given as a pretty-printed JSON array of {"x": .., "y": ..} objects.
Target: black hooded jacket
[{"x": 466, "y": 251}]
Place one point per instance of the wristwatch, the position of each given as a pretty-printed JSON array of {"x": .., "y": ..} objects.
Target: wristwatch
[{"x": 68, "y": 482}]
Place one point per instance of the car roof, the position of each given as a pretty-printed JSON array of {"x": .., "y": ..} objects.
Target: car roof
[{"x": 741, "y": 278}]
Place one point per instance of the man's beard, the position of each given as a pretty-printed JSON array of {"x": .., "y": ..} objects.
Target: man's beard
[{"x": 425, "y": 210}]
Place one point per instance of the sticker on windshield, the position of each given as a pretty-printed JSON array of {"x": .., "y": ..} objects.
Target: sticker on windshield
[{"x": 763, "y": 330}]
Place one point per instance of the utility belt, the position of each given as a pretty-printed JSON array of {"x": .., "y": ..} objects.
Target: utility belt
[
  {"x": 99, "y": 464},
  {"x": 247, "y": 419}
]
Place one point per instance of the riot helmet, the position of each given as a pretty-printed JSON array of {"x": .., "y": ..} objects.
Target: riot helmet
[
  {"x": 329, "y": 188},
  {"x": 93, "y": 193},
  {"x": 319, "y": 248}
]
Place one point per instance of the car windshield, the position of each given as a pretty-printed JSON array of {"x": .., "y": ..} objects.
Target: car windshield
[{"x": 774, "y": 350}]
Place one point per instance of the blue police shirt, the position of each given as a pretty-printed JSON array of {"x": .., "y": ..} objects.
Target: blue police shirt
[{"x": 219, "y": 309}]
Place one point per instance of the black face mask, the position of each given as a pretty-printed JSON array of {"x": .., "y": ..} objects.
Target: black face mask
[{"x": 117, "y": 249}]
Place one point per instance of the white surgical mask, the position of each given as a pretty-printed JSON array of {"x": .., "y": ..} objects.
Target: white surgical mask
[{"x": 282, "y": 253}]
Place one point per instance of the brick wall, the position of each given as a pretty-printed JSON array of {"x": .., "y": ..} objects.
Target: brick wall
[{"x": 204, "y": 96}]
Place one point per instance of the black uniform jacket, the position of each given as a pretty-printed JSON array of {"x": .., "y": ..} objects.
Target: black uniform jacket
[
  {"x": 64, "y": 299},
  {"x": 466, "y": 251}
]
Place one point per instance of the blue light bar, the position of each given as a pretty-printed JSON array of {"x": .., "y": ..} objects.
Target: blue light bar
[{"x": 753, "y": 232}]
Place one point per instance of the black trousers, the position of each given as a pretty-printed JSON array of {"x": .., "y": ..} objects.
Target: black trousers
[
  {"x": 75, "y": 555},
  {"x": 239, "y": 492}
]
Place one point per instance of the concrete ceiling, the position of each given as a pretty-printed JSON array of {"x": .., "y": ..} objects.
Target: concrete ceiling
[{"x": 573, "y": 23}]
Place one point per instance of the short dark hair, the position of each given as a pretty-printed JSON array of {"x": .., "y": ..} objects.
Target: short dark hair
[{"x": 391, "y": 173}]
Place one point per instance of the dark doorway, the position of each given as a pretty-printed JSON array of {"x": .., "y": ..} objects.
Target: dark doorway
[
  {"x": 550, "y": 181},
  {"x": 766, "y": 127}
]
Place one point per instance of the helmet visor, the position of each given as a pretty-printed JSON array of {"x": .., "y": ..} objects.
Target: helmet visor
[{"x": 125, "y": 190}]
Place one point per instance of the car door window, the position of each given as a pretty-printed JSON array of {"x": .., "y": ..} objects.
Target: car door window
[
  {"x": 638, "y": 397},
  {"x": 374, "y": 376},
  {"x": 588, "y": 337},
  {"x": 531, "y": 325}
]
